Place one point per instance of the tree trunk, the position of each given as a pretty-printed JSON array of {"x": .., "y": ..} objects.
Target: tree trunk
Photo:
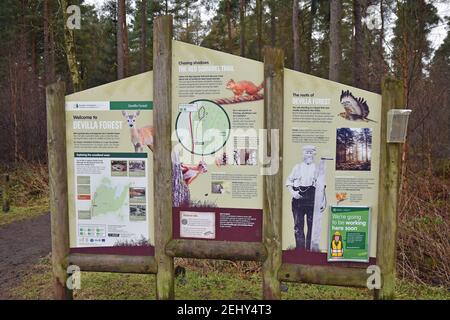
[
  {"x": 122, "y": 41},
  {"x": 380, "y": 62},
  {"x": 381, "y": 39},
  {"x": 186, "y": 30},
  {"x": 230, "y": 36},
  {"x": 34, "y": 59},
  {"x": 358, "y": 69},
  {"x": 295, "y": 35},
  {"x": 13, "y": 95},
  {"x": 69, "y": 42},
  {"x": 335, "y": 39},
  {"x": 46, "y": 43},
  {"x": 367, "y": 149},
  {"x": 242, "y": 26},
  {"x": 273, "y": 26},
  {"x": 259, "y": 10},
  {"x": 125, "y": 43},
  {"x": 143, "y": 42},
  {"x": 309, "y": 40},
  {"x": 120, "y": 53},
  {"x": 51, "y": 67}
]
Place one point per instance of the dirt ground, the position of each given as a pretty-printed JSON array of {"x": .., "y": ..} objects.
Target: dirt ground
[{"x": 22, "y": 244}]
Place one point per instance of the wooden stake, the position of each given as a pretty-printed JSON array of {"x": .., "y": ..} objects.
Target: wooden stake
[
  {"x": 162, "y": 96},
  {"x": 392, "y": 91},
  {"x": 273, "y": 184},
  {"x": 57, "y": 168},
  {"x": 5, "y": 193}
]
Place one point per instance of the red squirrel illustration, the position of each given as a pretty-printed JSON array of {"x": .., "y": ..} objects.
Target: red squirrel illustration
[{"x": 244, "y": 87}]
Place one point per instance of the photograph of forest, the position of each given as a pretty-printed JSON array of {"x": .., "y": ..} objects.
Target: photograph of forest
[{"x": 353, "y": 149}]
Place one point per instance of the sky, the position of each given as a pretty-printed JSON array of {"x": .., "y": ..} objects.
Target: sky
[{"x": 437, "y": 35}]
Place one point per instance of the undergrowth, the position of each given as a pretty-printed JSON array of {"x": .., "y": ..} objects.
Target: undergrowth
[{"x": 28, "y": 191}]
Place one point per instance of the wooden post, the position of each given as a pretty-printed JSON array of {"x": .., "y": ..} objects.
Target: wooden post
[
  {"x": 5, "y": 193},
  {"x": 162, "y": 96},
  {"x": 392, "y": 92},
  {"x": 273, "y": 184},
  {"x": 57, "y": 168}
]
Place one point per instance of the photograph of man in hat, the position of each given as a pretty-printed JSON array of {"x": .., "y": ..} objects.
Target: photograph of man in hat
[{"x": 302, "y": 185}]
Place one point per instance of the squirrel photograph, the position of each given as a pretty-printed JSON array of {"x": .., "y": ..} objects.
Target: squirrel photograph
[{"x": 244, "y": 87}]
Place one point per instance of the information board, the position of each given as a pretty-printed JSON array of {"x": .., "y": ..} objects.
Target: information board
[
  {"x": 218, "y": 106},
  {"x": 109, "y": 134},
  {"x": 331, "y": 158},
  {"x": 349, "y": 234}
]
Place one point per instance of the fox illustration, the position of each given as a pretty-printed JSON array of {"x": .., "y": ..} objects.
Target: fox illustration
[{"x": 244, "y": 87}]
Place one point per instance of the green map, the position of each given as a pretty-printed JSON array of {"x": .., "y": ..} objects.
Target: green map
[
  {"x": 204, "y": 131},
  {"x": 108, "y": 198}
]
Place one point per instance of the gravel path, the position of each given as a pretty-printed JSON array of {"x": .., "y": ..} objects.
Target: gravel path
[{"x": 22, "y": 244}]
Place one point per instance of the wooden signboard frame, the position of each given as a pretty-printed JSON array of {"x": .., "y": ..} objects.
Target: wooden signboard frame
[{"x": 269, "y": 251}]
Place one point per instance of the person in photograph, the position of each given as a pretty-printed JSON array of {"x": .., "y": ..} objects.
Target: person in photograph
[
  {"x": 337, "y": 246},
  {"x": 190, "y": 173},
  {"x": 235, "y": 157},
  {"x": 302, "y": 186}
]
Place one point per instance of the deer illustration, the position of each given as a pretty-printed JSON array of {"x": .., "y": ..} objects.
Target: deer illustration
[{"x": 140, "y": 137}]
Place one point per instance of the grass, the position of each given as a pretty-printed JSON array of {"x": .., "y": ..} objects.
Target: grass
[
  {"x": 17, "y": 213},
  {"x": 202, "y": 285}
]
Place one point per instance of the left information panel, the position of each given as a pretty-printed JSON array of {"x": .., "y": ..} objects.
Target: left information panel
[{"x": 109, "y": 132}]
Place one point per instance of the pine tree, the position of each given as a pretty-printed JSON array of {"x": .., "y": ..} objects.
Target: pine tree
[
  {"x": 415, "y": 20},
  {"x": 122, "y": 40},
  {"x": 359, "y": 69},
  {"x": 295, "y": 34},
  {"x": 242, "y": 24},
  {"x": 335, "y": 40},
  {"x": 72, "y": 61}
]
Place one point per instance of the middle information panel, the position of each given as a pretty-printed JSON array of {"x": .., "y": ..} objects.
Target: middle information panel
[{"x": 217, "y": 114}]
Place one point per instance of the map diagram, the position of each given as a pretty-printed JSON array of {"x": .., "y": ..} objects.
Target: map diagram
[
  {"x": 110, "y": 199},
  {"x": 203, "y": 127}
]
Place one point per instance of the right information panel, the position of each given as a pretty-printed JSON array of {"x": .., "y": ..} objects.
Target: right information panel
[{"x": 331, "y": 160}]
